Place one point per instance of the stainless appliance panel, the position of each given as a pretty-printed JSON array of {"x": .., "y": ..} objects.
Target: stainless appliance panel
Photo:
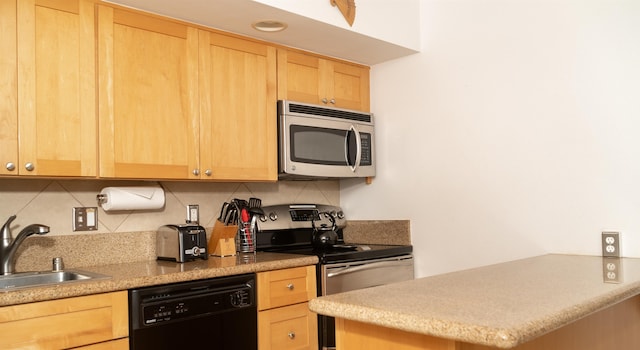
[
  {"x": 317, "y": 141},
  {"x": 344, "y": 277}
]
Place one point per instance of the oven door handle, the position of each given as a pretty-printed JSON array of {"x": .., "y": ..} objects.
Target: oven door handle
[{"x": 333, "y": 272}]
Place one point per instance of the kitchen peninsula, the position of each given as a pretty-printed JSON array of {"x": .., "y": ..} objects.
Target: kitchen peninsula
[{"x": 546, "y": 302}]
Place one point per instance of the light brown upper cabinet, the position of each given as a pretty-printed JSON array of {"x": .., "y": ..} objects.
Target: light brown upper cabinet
[
  {"x": 47, "y": 68},
  {"x": 8, "y": 89},
  {"x": 177, "y": 102},
  {"x": 238, "y": 108},
  {"x": 148, "y": 96},
  {"x": 312, "y": 79}
]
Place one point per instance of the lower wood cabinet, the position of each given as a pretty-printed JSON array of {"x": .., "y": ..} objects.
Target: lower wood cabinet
[
  {"x": 118, "y": 344},
  {"x": 284, "y": 318},
  {"x": 96, "y": 322}
]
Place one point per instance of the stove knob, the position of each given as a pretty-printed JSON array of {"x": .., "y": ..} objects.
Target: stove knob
[
  {"x": 263, "y": 218},
  {"x": 273, "y": 216},
  {"x": 340, "y": 214}
]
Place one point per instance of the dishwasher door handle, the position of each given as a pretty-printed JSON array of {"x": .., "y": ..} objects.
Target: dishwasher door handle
[{"x": 369, "y": 266}]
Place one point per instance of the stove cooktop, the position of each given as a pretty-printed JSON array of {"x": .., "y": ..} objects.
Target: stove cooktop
[
  {"x": 349, "y": 252},
  {"x": 288, "y": 228}
]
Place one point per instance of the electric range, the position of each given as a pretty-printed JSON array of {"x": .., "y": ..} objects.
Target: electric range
[{"x": 342, "y": 266}]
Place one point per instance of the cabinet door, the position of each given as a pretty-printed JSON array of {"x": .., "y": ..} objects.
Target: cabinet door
[
  {"x": 311, "y": 79},
  {"x": 8, "y": 89},
  {"x": 56, "y": 87},
  {"x": 65, "y": 323},
  {"x": 148, "y": 97},
  {"x": 299, "y": 77},
  {"x": 347, "y": 85},
  {"x": 119, "y": 344},
  {"x": 238, "y": 108}
]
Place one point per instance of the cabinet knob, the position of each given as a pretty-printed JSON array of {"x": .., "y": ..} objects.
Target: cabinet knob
[
  {"x": 208, "y": 172},
  {"x": 291, "y": 335},
  {"x": 324, "y": 100},
  {"x": 196, "y": 172},
  {"x": 29, "y": 166},
  {"x": 333, "y": 101},
  {"x": 10, "y": 166},
  {"x": 290, "y": 286}
]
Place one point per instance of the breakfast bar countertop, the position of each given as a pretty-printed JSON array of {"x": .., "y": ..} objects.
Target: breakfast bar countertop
[{"x": 501, "y": 305}]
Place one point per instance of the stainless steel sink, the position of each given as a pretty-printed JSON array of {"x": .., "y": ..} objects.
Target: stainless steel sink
[{"x": 45, "y": 278}]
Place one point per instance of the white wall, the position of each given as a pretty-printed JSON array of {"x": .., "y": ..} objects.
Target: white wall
[{"x": 515, "y": 132}]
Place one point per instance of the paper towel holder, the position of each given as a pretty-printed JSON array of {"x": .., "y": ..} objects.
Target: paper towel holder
[{"x": 131, "y": 198}]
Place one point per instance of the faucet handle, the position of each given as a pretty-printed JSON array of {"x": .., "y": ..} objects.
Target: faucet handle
[
  {"x": 5, "y": 232},
  {"x": 58, "y": 265}
]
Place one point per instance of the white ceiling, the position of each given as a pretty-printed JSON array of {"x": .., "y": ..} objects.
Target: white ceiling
[{"x": 305, "y": 33}]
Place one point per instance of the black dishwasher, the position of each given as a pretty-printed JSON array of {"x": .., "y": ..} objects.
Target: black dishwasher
[{"x": 218, "y": 313}]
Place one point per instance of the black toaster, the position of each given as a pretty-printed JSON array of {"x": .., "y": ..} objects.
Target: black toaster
[{"x": 181, "y": 243}]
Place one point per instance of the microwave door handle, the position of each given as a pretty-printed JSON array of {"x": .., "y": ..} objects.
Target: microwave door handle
[{"x": 353, "y": 167}]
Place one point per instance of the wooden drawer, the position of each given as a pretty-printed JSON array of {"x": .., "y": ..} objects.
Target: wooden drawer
[
  {"x": 286, "y": 287},
  {"x": 288, "y": 327},
  {"x": 65, "y": 323}
]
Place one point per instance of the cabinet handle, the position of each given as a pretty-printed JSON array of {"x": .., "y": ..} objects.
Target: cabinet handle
[
  {"x": 29, "y": 166},
  {"x": 324, "y": 100},
  {"x": 290, "y": 286},
  {"x": 333, "y": 101},
  {"x": 10, "y": 166},
  {"x": 208, "y": 172},
  {"x": 196, "y": 172},
  {"x": 292, "y": 335}
]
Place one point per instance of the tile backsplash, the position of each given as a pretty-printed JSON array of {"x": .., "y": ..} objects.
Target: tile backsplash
[{"x": 50, "y": 202}]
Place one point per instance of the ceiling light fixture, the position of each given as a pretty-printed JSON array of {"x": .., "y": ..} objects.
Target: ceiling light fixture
[{"x": 269, "y": 26}]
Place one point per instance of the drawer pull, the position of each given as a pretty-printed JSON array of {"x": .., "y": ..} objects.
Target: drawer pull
[
  {"x": 290, "y": 286},
  {"x": 291, "y": 335}
]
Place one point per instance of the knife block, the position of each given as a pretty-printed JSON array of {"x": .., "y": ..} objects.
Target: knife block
[{"x": 222, "y": 241}]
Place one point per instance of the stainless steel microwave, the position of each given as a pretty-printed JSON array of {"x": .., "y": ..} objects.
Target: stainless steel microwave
[{"x": 324, "y": 142}]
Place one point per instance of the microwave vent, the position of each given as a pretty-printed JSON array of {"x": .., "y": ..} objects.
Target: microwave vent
[{"x": 329, "y": 112}]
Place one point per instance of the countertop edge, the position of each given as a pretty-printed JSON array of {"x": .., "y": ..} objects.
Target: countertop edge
[
  {"x": 501, "y": 338},
  {"x": 473, "y": 333},
  {"x": 118, "y": 281}
]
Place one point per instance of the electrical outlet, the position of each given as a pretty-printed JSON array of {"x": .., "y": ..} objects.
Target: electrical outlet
[
  {"x": 193, "y": 213},
  {"x": 611, "y": 244},
  {"x": 85, "y": 219},
  {"x": 612, "y": 270}
]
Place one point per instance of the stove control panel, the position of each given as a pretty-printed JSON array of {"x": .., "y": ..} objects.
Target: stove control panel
[
  {"x": 294, "y": 216},
  {"x": 304, "y": 214}
]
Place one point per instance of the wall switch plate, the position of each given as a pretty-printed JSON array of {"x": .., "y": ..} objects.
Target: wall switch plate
[
  {"x": 612, "y": 270},
  {"x": 193, "y": 214},
  {"x": 85, "y": 219},
  {"x": 611, "y": 244}
]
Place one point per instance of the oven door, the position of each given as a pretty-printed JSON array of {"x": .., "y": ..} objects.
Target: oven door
[{"x": 343, "y": 277}]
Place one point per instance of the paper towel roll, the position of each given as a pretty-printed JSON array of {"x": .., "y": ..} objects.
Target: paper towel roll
[{"x": 131, "y": 198}]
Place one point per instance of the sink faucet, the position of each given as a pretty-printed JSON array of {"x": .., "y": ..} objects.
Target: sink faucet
[{"x": 10, "y": 246}]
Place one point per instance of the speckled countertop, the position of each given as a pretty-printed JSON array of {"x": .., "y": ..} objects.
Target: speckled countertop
[
  {"x": 501, "y": 305},
  {"x": 146, "y": 273}
]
